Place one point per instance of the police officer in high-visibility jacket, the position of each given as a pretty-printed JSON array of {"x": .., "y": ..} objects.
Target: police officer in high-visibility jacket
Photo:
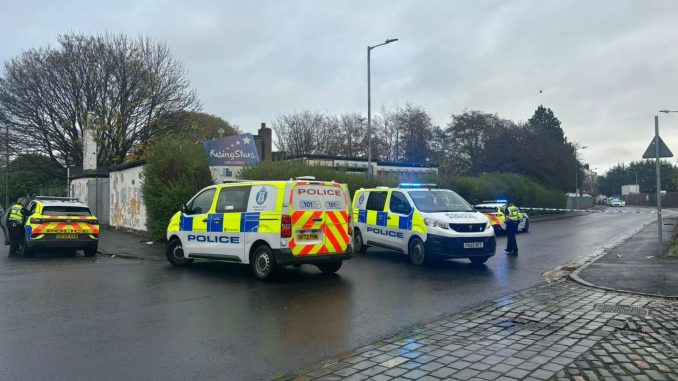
[
  {"x": 15, "y": 225},
  {"x": 512, "y": 221}
]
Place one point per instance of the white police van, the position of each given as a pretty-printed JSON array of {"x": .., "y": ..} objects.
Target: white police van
[{"x": 423, "y": 222}]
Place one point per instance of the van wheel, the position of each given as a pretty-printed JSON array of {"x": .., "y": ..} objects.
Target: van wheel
[
  {"x": 358, "y": 242},
  {"x": 174, "y": 252},
  {"x": 330, "y": 267},
  {"x": 417, "y": 252},
  {"x": 90, "y": 251},
  {"x": 479, "y": 260},
  {"x": 263, "y": 262}
]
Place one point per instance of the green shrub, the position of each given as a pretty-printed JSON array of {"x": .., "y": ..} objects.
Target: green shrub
[{"x": 175, "y": 171}]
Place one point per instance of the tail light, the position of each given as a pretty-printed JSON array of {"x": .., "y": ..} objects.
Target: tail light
[{"x": 285, "y": 226}]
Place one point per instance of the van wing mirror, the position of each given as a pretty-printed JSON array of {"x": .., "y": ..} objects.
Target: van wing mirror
[{"x": 183, "y": 208}]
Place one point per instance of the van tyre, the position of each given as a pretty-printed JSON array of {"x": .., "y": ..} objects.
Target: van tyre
[
  {"x": 175, "y": 253},
  {"x": 263, "y": 262},
  {"x": 358, "y": 242},
  {"x": 330, "y": 267},
  {"x": 417, "y": 252},
  {"x": 90, "y": 251},
  {"x": 479, "y": 260}
]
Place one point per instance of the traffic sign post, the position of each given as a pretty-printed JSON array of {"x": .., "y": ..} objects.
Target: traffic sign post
[{"x": 657, "y": 149}]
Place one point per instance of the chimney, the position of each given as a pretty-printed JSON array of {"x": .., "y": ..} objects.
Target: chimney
[
  {"x": 89, "y": 145},
  {"x": 266, "y": 135}
]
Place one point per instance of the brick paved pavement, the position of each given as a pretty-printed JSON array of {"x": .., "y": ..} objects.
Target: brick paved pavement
[{"x": 558, "y": 331}]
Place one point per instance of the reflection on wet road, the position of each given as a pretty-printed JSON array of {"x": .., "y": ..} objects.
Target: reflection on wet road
[{"x": 103, "y": 318}]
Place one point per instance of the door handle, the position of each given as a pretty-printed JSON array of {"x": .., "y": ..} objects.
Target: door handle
[
  {"x": 216, "y": 220},
  {"x": 388, "y": 217},
  {"x": 318, "y": 219}
]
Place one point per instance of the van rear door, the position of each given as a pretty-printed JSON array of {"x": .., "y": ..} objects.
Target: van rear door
[{"x": 320, "y": 216}]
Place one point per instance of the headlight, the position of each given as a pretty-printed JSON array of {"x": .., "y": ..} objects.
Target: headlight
[
  {"x": 435, "y": 223},
  {"x": 488, "y": 225}
]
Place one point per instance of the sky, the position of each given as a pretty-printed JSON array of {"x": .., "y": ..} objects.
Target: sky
[{"x": 605, "y": 68}]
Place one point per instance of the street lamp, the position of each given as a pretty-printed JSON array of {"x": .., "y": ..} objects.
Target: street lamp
[
  {"x": 576, "y": 176},
  {"x": 659, "y": 183},
  {"x": 7, "y": 165},
  {"x": 369, "y": 107}
]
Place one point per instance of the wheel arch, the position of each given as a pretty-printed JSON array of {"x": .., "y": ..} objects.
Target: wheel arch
[{"x": 254, "y": 245}]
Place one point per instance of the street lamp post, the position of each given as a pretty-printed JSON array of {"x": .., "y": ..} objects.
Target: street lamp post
[
  {"x": 369, "y": 107},
  {"x": 659, "y": 182},
  {"x": 7, "y": 165},
  {"x": 576, "y": 177}
]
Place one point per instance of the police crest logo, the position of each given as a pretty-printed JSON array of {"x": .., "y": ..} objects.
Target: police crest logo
[
  {"x": 361, "y": 199},
  {"x": 261, "y": 196}
]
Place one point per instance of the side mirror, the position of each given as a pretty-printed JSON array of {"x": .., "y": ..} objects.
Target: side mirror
[{"x": 183, "y": 208}]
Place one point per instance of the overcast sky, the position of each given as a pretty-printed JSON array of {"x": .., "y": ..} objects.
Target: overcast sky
[{"x": 605, "y": 67}]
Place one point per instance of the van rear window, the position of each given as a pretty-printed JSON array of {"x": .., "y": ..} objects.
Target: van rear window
[{"x": 65, "y": 211}]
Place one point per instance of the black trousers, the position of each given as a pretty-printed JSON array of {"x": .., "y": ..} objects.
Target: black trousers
[
  {"x": 16, "y": 234},
  {"x": 511, "y": 230}
]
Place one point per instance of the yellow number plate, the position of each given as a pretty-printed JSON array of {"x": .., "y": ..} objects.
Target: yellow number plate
[
  {"x": 307, "y": 237},
  {"x": 66, "y": 236}
]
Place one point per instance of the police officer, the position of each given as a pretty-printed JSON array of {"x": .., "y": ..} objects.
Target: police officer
[
  {"x": 15, "y": 225},
  {"x": 512, "y": 221}
]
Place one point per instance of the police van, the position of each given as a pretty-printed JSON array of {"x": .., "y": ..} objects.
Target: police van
[
  {"x": 423, "y": 222},
  {"x": 265, "y": 224}
]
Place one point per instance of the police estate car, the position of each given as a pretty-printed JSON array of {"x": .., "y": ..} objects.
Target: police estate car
[
  {"x": 423, "y": 222},
  {"x": 265, "y": 224},
  {"x": 59, "y": 222},
  {"x": 495, "y": 212}
]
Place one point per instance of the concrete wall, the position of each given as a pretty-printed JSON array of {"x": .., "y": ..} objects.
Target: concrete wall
[
  {"x": 128, "y": 209},
  {"x": 79, "y": 189},
  {"x": 582, "y": 203}
]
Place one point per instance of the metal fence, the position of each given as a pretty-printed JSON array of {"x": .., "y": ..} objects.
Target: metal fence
[{"x": 98, "y": 198}]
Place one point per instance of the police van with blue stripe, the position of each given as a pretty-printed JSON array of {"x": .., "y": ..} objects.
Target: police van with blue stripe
[
  {"x": 423, "y": 222},
  {"x": 266, "y": 224}
]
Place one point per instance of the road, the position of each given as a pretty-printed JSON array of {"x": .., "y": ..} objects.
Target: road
[{"x": 110, "y": 318}]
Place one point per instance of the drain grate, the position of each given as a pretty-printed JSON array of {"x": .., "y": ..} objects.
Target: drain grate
[{"x": 624, "y": 310}]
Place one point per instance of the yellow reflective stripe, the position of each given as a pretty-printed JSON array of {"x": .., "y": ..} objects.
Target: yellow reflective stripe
[
  {"x": 418, "y": 223},
  {"x": 269, "y": 222},
  {"x": 371, "y": 217},
  {"x": 231, "y": 222}
]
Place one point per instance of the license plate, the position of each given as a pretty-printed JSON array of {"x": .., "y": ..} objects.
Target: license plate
[
  {"x": 66, "y": 236},
  {"x": 308, "y": 237},
  {"x": 473, "y": 245}
]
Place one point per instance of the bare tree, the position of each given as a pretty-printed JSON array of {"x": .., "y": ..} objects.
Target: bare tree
[{"x": 129, "y": 84}]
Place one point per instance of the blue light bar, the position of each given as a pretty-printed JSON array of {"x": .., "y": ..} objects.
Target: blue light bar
[
  {"x": 417, "y": 185},
  {"x": 502, "y": 201}
]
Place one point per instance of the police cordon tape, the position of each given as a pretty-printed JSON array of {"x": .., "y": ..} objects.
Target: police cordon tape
[{"x": 593, "y": 210}]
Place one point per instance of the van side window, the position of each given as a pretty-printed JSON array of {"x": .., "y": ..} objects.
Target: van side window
[
  {"x": 399, "y": 204},
  {"x": 376, "y": 201},
  {"x": 202, "y": 202},
  {"x": 233, "y": 199}
]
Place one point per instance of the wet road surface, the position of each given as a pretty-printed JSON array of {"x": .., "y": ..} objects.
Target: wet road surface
[{"x": 109, "y": 318}]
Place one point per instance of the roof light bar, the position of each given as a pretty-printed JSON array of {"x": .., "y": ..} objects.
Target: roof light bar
[{"x": 417, "y": 185}]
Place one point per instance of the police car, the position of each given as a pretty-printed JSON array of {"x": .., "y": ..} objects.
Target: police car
[
  {"x": 423, "y": 222},
  {"x": 494, "y": 210},
  {"x": 59, "y": 222},
  {"x": 616, "y": 201},
  {"x": 265, "y": 224}
]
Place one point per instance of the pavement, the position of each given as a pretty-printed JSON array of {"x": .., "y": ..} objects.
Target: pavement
[
  {"x": 635, "y": 265},
  {"x": 615, "y": 319},
  {"x": 131, "y": 245}
]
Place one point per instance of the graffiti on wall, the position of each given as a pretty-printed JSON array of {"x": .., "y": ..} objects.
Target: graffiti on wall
[{"x": 127, "y": 203}]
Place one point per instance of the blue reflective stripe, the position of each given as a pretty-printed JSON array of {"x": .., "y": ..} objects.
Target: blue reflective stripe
[
  {"x": 382, "y": 218},
  {"x": 362, "y": 216},
  {"x": 215, "y": 222},
  {"x": 249, "y": 222},
  {"x": 29, "y": 232},
  {"x": 405, "y": 222},
  {"x": 186, "y": 223}
]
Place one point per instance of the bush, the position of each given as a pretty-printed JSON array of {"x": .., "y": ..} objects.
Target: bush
[
  {"x": 285, "y": 170},
  {"x": 175, "y": 171}
]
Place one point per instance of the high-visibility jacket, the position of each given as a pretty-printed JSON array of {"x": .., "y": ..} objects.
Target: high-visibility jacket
[
  {"x": 512, "y": 213},
  {"x": 16, "y": 213}
]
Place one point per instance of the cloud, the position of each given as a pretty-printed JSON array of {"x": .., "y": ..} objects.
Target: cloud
[{"x": 605, "y": 68}]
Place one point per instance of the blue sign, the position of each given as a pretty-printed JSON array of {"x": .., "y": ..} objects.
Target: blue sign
[{"x": 232, "y": 151}]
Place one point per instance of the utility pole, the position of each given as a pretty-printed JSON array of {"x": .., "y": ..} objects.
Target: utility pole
[
  {"x": 7, "y": 165},
  {"x": 659, "y": 184}
]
